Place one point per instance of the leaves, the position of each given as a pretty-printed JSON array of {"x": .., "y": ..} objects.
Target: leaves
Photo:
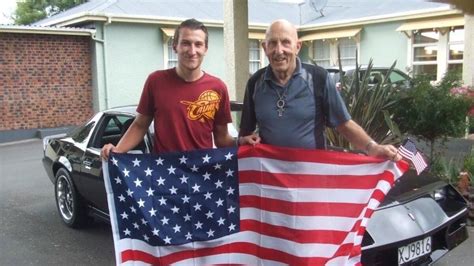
[{"x": 30, "y": 11}]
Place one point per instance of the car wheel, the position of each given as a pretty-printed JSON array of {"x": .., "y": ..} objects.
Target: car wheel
[{"x": 69, "y": 204}]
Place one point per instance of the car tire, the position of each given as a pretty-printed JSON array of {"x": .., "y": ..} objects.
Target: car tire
[{"x": 68, "y": 202}]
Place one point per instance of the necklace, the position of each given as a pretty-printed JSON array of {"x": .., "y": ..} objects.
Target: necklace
[{"x": 280, "y": 104}]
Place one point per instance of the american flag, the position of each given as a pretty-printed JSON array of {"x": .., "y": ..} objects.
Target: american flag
[
  {"x": 409, "y": 151},
  {"x": 283, "y": 206}
]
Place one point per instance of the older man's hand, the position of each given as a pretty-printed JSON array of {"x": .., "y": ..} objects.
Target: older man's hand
[{"x": 388, "y": 152}]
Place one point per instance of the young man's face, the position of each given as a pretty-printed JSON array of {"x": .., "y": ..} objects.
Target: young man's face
[
  {"x": 191, "y": 49},
  {"x": 281, "y": 47}
]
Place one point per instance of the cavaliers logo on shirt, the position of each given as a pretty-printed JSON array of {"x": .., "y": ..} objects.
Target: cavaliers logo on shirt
[{"x": 204, "y": 107}]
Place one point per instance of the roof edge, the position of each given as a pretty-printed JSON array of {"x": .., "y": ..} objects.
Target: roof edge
[{"x": 46, "y": 30}]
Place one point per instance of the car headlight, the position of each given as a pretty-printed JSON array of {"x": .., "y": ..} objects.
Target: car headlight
[{"x": 438, "y": 194}]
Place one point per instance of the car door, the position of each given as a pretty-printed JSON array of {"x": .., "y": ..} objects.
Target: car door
[{"x": 109, "y": 130}]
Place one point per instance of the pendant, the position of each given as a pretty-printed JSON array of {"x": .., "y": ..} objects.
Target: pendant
[{"x": 280, "y": 104}]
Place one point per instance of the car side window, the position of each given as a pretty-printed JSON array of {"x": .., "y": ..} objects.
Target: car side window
[
  {"x": 396, "y": 77},
  {"x": 81, "y": 133},
  {"x": 110, "y": 130}
]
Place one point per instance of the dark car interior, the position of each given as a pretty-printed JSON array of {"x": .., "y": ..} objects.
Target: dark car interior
[{"x": 111, "y": 129}]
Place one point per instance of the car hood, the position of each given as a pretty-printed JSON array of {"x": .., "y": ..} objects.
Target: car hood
[{"x": 411, "y": 186}]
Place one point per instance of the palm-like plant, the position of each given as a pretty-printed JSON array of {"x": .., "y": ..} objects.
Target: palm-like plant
[{"x": 370, "y": 105}]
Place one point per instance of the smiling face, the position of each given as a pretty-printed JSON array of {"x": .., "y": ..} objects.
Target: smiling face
[
  {"x": 191, "y": 48},
  {"x": 281, "y": 47}
]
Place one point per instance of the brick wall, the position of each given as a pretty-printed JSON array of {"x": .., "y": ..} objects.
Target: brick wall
[{"x": 45, "y": 80}]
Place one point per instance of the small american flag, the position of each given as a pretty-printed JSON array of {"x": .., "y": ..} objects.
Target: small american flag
[
  {"x": 409, "y": 151},
  {"x": 281, "y": 206}
]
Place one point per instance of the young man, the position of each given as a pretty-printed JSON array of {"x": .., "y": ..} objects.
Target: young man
[
  {"x": 280, "y": 100},
  {"x": 188, "y": 106}
]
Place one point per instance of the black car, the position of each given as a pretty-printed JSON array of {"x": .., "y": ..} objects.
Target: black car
[
  {"x": 396, "y": 77},
  {"x": 420, "y": 220}
]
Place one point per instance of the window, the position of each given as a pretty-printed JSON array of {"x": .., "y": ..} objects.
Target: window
[
  {"x": 80, "y": 134},
  {"x": 425, "y": 52},
  {"x": 325, "y": 51},
  {"x": 322, "y": 52},
  {"x": 255, "y": 58},
  {"x": 172, "y": 57},
  {"x": 456, "y": 49},
  {"x": 348, "y": 48}
]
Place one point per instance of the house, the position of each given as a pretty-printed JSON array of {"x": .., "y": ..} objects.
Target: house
[
  {"x": 129, "y": 39},
  {"x": 133, "y": 38}
]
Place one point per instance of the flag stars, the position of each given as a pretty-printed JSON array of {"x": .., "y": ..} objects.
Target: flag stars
[
  {"x": 196, "y": 188},
  {"x": 146, "y": 238},
  {"x": 159, "y": 161},
  {"x": 126, "y": 232},
  {"x": 164, "y": 220},
  {"x": 232, "y": 227},
  {"x": 209, "y": 215},
  {"x": 117, "y": 180},
  {"x": 197, "y": 206},
  {"x": 121, "y": 198},
  {"x": 185, "y": 198},
  {"x": 171, "y": 170},
  {"x": 183, "y": 160},
  {"x": 229, "y": 173},
  {"x": 155, "y": 231},
  {"x": 217, "y": 166},
  {"x": 129, "y": 192},
  {"x": 125, "y": 172},
  {"x": 220, "y": 202},
  {"x": 148, "y": 171},
  {"x": 187, "y": 217},
  {"x": 132, "y": 209},
  {"x": 228, "y": 156},
  {"x": 206, "y": 158},
  {"x": 194, "y": 168},
  {"x": 184, "y": 179},
  {"x": 144, "y": 222},
  {"x": 173, "y": 190},
  {"x": 207, "y": 195},
  {"x": 221, "y": 221},
  {"x": 230, "y": 191},
  {"x": 150, "y": 192},
  {"x": 210, "y": 233},
  {"x": 175, "y": 209},
  {"x": 207, "y": 176},
  {"x": 218, "y": 184},
  {"x": 161, "y": 181},
  {"x": 177, "y": 228},
  {"x": 152, "y": 212},
  {"x": 162, "y": 201},
  {"x": 198, "y": 225},
  {"x": 124, "y": 216},
  {"x": 138, "y": 182},
  {"x": 231, "y": 209},
  {"x": 136, "y": 226},
  {"x": 114, "y": 161},
  {"x": 141, "y": 203},
  {"x": 188, "y": 236},
  {"x": 136, "y": 162},
  {"x": 167, "y": 240}
]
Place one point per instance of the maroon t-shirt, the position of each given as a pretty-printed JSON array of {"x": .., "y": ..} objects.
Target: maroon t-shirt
[{"x": 185, "y": 113}]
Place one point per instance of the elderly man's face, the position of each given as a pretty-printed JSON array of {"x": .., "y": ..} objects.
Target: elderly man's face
[{"x": 281, "y": 47}]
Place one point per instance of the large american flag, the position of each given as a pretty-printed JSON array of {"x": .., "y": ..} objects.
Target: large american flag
[{"x": 281, "y": 206}]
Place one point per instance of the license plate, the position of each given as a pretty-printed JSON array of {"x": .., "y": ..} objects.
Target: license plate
[{"x": 414, "y": 250}]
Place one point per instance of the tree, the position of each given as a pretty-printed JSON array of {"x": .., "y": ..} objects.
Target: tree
[
  {"x": 433, "y": 112},
  {"x": 30, "y": 11}
]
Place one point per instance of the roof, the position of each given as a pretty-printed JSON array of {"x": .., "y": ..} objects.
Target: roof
[{"x": 261, "y": 12}]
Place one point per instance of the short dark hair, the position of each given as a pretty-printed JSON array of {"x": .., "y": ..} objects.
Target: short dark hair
[{"x": 192, "y": 24}]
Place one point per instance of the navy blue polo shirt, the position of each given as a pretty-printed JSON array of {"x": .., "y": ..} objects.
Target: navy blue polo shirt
[{"x": 303, "y": 121}]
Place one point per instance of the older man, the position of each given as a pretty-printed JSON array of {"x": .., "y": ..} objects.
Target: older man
[{"x": 291, "y": 103}]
